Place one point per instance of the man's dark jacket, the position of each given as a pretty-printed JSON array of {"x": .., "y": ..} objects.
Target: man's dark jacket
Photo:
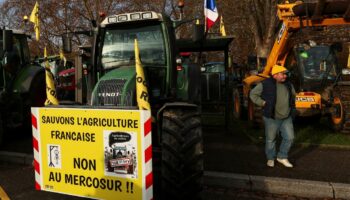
[{"x": 269, "y": 94}]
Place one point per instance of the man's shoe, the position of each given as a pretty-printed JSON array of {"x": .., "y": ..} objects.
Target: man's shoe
[
  {"x": 270, "y": 163},
  {"x": 285, "y": 162}
]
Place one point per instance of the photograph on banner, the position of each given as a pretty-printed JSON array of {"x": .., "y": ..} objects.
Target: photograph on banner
[{"x": 120, "y": 154}]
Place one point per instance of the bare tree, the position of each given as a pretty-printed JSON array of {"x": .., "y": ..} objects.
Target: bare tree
[
  {"x": 58, "y": 17},
  {"x": 264, "y": 20}
]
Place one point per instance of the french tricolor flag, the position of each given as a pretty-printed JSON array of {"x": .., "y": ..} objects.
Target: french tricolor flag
[{"x": 210, "y": 12}]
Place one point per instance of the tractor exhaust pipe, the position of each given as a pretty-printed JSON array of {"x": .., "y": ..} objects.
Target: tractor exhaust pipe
[{"x": 198, "y": 32}]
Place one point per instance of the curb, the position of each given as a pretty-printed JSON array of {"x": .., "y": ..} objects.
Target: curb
[
  {"x": 275, "y": 185},
  {"x": 16, "y": 158}
]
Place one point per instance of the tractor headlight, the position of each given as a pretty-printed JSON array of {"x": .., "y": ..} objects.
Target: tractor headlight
[
  {"x": 345, "y": 71},
  {"x": 112, "y": 19},
  {"x": 122, "y": 18},
  {"x": 135, "y": 16},
  {"x": 147, "y": 15}
]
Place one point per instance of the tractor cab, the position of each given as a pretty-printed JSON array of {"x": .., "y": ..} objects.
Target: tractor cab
[
  {"x": 22, "y": 83},
  {"x": 172, "y": 91},
  {"x": 115, "y": 67},
  {"x": 14, "y": 56}
]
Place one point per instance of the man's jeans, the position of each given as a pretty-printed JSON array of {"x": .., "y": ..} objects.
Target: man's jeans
[{"x": 272, "y": 128}]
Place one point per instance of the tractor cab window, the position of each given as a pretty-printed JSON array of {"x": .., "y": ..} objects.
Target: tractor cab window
[
  {"x": 11, "y": 60},
  {"x": 317, "y": 62},
  {"x": 25, "y": 55},
  {"x": 118, "y": 46},
  {"x": 17, "y": 46}
]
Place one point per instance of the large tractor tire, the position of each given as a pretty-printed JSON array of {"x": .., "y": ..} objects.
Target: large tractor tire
[
  {"x": 182, "y": 154},
  {"x": 37, "y": 91},
  {"x": 36, "y": 98},
  {"x": 340, "y": 118}
]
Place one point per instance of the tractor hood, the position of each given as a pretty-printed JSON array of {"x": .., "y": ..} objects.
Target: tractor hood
[{"x": 116, "y": 88}]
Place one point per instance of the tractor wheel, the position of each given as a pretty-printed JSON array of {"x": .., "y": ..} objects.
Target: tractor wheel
[
  {"x": 238, "y": 109},
  {"x": 340, "y": 118},
  {"x": 36, "y": 98},
  {"x": 37, "y": 92},
  {"x": 255, "y": 115},
  {"x": 182, "y": 154}
]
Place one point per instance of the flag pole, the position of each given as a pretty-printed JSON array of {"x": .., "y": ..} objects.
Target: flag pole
[{"x": 141, "y": 86}]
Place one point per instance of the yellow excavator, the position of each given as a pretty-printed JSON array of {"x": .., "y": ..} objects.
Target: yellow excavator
[{"x": 319, "y": 80}]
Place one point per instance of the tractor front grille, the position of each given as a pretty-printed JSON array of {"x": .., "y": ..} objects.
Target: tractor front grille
[{"x": 110, "y": 93}]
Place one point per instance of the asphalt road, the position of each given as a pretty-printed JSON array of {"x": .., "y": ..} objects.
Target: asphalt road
[
  {"x": 18, "y": 182},
  {"x": 226, "y": 153}
]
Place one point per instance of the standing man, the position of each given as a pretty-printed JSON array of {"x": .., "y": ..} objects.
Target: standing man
[{"x": 277, "y": 97}]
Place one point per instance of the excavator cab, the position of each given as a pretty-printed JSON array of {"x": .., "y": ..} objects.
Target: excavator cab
[{"x": 317, "y": 66}]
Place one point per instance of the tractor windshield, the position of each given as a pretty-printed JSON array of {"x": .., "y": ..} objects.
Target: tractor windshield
[
  {"x": 118, "y": 46},
  {"x": 317, "y": 63}
]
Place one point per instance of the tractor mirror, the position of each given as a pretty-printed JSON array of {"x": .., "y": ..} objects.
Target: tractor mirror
[
  {"x": 7, "y": 40},
  {"x": 67, "y": 43},
  {"x": 198, "y": 32}
]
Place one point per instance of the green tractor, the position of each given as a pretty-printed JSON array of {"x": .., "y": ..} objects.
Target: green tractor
[
  {"x": 176, "y": 125},
  {"x": 22, "y": 84},
  {"x": 174, "y": 87}
]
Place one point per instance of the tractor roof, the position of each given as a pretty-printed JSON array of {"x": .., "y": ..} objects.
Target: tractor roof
[
  {"x": 131, "y": 17},
  {"x": 18, "y": 32}
]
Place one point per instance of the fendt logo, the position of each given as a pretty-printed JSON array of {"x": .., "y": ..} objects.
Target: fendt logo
[
  {"x": 109, "y": 94},
  {"x": 305, "y": 99}
]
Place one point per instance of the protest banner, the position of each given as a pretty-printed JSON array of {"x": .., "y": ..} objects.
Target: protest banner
[{"x": 95, "y": 153}]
